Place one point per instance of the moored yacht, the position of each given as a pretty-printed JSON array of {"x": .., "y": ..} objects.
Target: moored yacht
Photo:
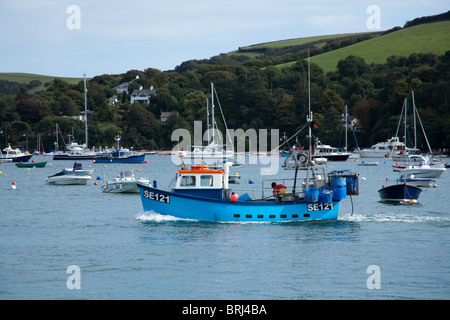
[
  {"x": 14, "y": 155},
  {"x": 383, "y": 149},
  {"x": 329, "y": 153}
]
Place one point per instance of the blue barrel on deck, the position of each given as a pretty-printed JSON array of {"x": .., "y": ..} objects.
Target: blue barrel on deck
[
  {"x": 311, "y": 194},
  {"x": 325, "y": 195},
  {"x": 352, "y": 185},
  {"x": 339, "y": 187}
]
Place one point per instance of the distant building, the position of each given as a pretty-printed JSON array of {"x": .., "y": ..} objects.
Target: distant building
[
  {"x": 352, "y": 122},
  {"x": 165, "y": 116},
  {"x": 142, "y": 96},
  {"x": 124, "y": 86},
  {"x": 113, "y": 100}
]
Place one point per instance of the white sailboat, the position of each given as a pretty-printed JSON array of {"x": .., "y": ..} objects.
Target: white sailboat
[
  {"x": 215, "y": 151},
  {"x": 74, "y": 150},
  {"x": 417, "y": 165},
  {"x": 404, "y": 156}
]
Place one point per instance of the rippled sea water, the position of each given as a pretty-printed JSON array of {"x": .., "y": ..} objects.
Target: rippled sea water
[{"x": 125, "y": 253}]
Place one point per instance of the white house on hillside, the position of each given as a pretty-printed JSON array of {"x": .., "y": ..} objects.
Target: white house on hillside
[
  {"x": 142, "y": 95},
  {"x": 124, "y": 86}
]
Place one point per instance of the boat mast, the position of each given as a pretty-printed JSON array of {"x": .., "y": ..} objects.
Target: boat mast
[
  {"x": 57, "y": 143},
  {"x": 346, "y": 127},
  {"x": 85, "y": 112},
  {"x": 207, "y": 120},
  {"x": 309, "y": 118},
  {"x": 414, "y": 117},
  {"x": 406, "y": 108},
  {"x": 212, "y": 114}
]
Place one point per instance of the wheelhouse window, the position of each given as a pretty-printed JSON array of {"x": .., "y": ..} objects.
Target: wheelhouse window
[
  {"x": 206, "y": 181},
  {"x": 188, "y": 181}
]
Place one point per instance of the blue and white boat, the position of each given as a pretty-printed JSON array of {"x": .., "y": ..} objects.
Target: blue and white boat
[
  {"x": 201, "y": 193},
  {"x": 400, "y": 193},
  {"x": 121, "y": 155},
  {"x": 74, "y": 176},
  {"x": 14, "y": 155}
]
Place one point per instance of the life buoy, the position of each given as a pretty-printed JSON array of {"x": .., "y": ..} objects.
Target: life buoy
[
  {"x": 200, "y": 167},
  {"x": 302, "y": 158}
]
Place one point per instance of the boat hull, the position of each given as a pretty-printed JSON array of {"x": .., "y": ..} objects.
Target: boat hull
[
  {"x": 120, "y": 187},
  {"x": 31, "y": 164},
  {"x": 333, "y": 157},
  {"x": 69, "y": 180},
  {"x": 130, "y": 159},
  {"x": 424, "y": 172},
  {"x": 399, "y": 193},
  {"x": 73, "y": 157},
  {"x": 224, "y": 210},
  {"x": 25, "y": 158},
  {"x": 418, "y": 182}
]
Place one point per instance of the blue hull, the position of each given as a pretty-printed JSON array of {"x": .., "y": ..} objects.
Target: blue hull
[
  {"x": 399, "y": 193},
  {"x": 21, "y": 158},
  {"x": 206, "y": 209},
  {"x": 131, "y": 159}
]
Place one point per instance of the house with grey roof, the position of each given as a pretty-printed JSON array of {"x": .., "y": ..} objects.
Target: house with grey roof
[
  {"x": 142, "y": 95},
  {"x": 124, "y": 86}
]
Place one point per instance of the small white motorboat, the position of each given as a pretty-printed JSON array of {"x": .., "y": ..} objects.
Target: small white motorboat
[
  {"x": 67, "y": 177},
  {"x": 424, "y": 170},
  {"x": 418, "y": 182},
  {"x": 372, "y": 163},
  {"x": 78, "y": 167},
  {"x": 124, "y": 183}
]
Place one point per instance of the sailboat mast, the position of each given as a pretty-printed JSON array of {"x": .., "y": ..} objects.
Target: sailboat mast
[
  {"x": 212, "y": 113},
  {"x": 207, "y": 120},
  {"x": 309, "y": 118},
  {"x": 414, "y": 117},
  {"x": 346, "y": 127},
  {"x": 57, "y": 141},
  {"x": 85, "y": 112},
  {"x": 406, "y": 108}
]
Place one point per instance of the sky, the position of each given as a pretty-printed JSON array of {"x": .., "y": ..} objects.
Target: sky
[{"x": 69, "y": 38}]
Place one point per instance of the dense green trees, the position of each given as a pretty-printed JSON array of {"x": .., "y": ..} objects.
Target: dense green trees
[{"x": 250, "y": 96}]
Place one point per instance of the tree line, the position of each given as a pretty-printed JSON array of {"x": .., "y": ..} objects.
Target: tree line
[{"x": 251, "y": 96}]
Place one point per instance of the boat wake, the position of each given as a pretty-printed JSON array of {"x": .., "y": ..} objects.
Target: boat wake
[
  {"x": 152, "y": 216},
  {"x": 396, "y": 217}
]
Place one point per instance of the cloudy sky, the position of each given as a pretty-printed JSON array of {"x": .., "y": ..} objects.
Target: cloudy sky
[{"x": 67, "y": 38}]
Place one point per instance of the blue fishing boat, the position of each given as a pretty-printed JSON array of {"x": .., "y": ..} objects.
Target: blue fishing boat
[
  {"x": 121, "y": 155},
  {"x": 201, "y": 193}
]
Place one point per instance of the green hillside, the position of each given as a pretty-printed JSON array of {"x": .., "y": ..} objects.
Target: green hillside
[
  {"x": 424, "y": 38},
  {"x": 39, "y": 80},
  {"x": 294, "y": 47},
  {"x": 300, "y": 41}
]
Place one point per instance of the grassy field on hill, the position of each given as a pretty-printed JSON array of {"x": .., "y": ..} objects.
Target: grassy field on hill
[
  {"x": 255, "y": 50},
  {"x": 424, "y": 38},
  {"x": 25, "y": 78},
  {"x": 299, "y": 41}
]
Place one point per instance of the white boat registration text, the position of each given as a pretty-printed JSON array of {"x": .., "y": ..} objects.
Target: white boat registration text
[
  {"x": 156, "y": 196},
  {"x": 320, "y": 206}
]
